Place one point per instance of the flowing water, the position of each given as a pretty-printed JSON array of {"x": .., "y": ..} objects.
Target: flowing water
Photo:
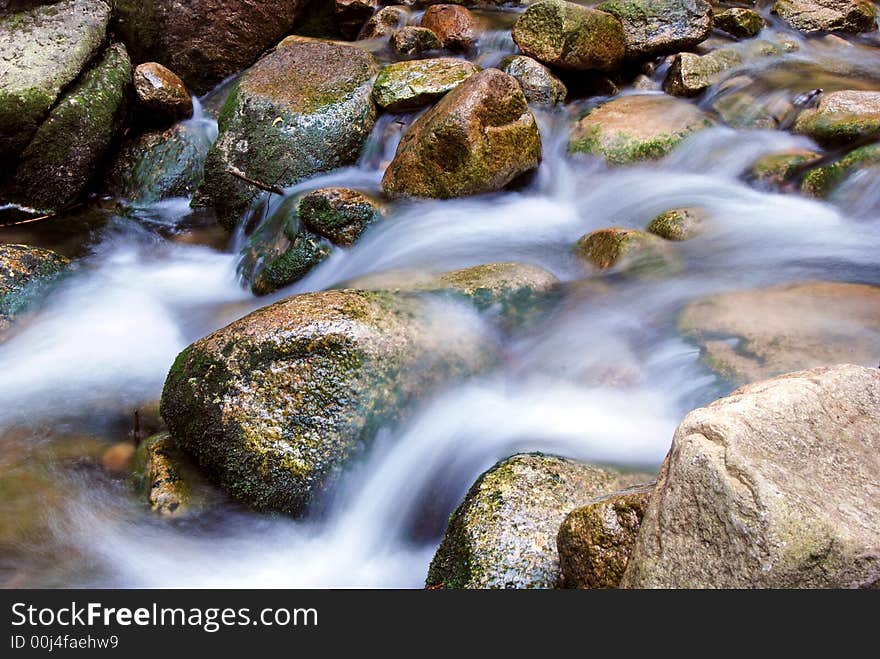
[{"x": 606, "y": 378}]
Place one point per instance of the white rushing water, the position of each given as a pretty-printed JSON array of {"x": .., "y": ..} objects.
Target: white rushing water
[{"x": 604, "y": 380}]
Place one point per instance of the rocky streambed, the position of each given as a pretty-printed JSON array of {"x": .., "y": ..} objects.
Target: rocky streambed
[{"x": 472, "y": 295}]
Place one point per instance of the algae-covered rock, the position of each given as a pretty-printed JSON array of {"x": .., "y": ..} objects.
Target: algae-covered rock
[
  {"x": 42, "y": 51},
  {"x": 304, "y": 109},
  {"x": 774, "y": 486},
  {"x": 159, "y": 165},
  {"x": 810, "y": 16},
  {"x": 595, "y": 542},
  {"x": 627, "y": 250},
  {"x": 71, "y": 143},
  {"x": 678, "y": 224},
  {"x": 203, "y": 41},
  {"x": 168, "y": 480},
  {"x": 739, "y": 22},
  {"x": 841, "y": 117},
  {"x": 25, "y": 273},
  {"x": 637, "y": 127},
  {"x": 338, "y": 214},
  {"x": 691, "y": 75},
  {"x": 478, "y": 138},
  {"x": 657, "y": 27},
  {"x": 569, "y": 36},
  {"x": 774, "y": 169},
  {"x": 454, "y": 25},
  {"x": 275, "y": 405},
  {"x": 412, "y": 84},
  {"x": 822, "y": 181},
  {"x": 162, "y": 96},
  {"x": 385, "y": 22},
  {"x": 503, "y": 535},
  {"x": 412, "y": 40},
  {"x": 754, "y": 334},
  {"x": 537, "y": 81}
]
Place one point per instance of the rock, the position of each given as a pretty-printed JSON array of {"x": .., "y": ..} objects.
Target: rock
[
  {"x": 411, "y": 40},
  {"x": 454, "y": 26},
  {"x": 739, "y": 22},
  {"x": 304, "y": 109},
  {"x": 170, "y": 483},
  {"x": 162, "y": 96},
  {"x": 42, "y": 51},
  {"x": 203, "y": 41},
  {"x": 158, "y": 165},
  {"x": 25, "y": 273},
  {"x": 568, "y": 36},
  {"x": 478, "y": 138},
  {"x": 637, "y": 127},
  {"x": 595, "y": 541},
  {"x": 774, "y": 486},
  {"x": 503, "y": 535},
  {"x": 352, "y": 14},
  {"x": 338, "y": 214},
  {"x": 841, "y": 117},
  {"x": 537, "y": 81},
  {"x": 71, "y": 143},
  {"x": 822, "y": 181},
  {"x": 385, "y": 22},
  {"x": 775, "y": 169},
  {"x": 630, "y": 250},
  {"x": 412, "y": 84},
  {"x": 741, "y": 104},
  {"x": 691, "y": 75},
  {"x": 678, "y": 224},
  {"x": 811, "y": 16},
  {"x": 659, "y": 27},
  {"x": 754, "y": 334},
  {"x": 117, "y": 459},
  {"x": 274, "y": 405}
]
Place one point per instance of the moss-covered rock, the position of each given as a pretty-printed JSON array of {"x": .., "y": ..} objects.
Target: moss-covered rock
[
  {"x": 691, "y": 75},
  {"x": 25, "y": 273},
  {"x": 596, "y": 541},
  {"x": 159, "y": 165},
  {"x": 810, "y": 16},
  {"x": 637, "y": 127},
  {"x": 71, "y": 143},
  {"x": 748, "y": 335},
  {"x": 503, "y": 535},
  {"x": 657, "y": 27},
  {"x": 385, "y": 22},
  {"x": 821, "y": 181},
  {"x": 537, "y": 81},
  {"x": 413, "y": 40},
  {"x": 162, "y": 97},
  {"x": 338, "y": 214},
  {"x": 628, "y": 251},
  {"x": 841, "y": 117},
  {"x": 454, "y": 25},
  {"x": 478, "y": 138},
  {"x": 273, "y": 406},
  {"x": 42, "y": 51},
  {"x": 304, "y": 109},
  {"x": 203, "y": 41},
  {"x": 678, "y": 224},
  {"x": 569, "y": 36},
  {"x": 739, "y": 22},
  {"x": 409, "y": 85},
  {"x": 775, "y": 169}
]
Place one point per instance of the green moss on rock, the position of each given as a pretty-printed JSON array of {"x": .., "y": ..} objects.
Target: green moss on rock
[
  {"x": 658, "y": 27},
  {"x": 678, "y": 224},
  {"x": 842, "y": 117},
  {"x": 25, "y": 274},
  {"x": 821, "y": 181},
  {"x": 409, "y": 85}
]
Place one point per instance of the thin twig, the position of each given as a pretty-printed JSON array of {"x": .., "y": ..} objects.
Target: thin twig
[{"x": 257, "y": 184}]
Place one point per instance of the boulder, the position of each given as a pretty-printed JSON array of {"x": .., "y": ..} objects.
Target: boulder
[
  {"x": 777, "y": 168},
  {"x": 637, "y": 127},
  {"x": 595, "y": 542},
  {"x": 162, "y": 96},
  {"x": 454, "y": 25},
  {"x": 42, "y": 52},
  {"x": 627, "y": 250},
  {"x": 338, "y": 214},
  {"x": 754, "y": 334},
  {"x": 774, "y": 486},
  {"x": 503, "y": 535},
  {"x": 385, "y": 22},
  {"x": 352, "y": 14},
  {"x": 739, "y": 22},
  {"x": 25, "y": 273},
  {"x": 569, "y": 36},
  {"x": 73, "y": 140},
  {"x": 691, "y": 75},
  {"x": 822, "y": 181},
  {"x": 478, "y": 138},
  {"x": 678, "y": 224},
  {"x": 412, "y": 84},
  {"x": 304, "y": 109},
  {"x": 841, "y": 117},
  {"x": 275, "y": 405},
  {"x": 658, "y": 27},
  {"x": 411, "y": 40},
  {"x": 811, "y": 16},
  {"x": 537, "y": 81},
  {"x": 203, "y": 41}
]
